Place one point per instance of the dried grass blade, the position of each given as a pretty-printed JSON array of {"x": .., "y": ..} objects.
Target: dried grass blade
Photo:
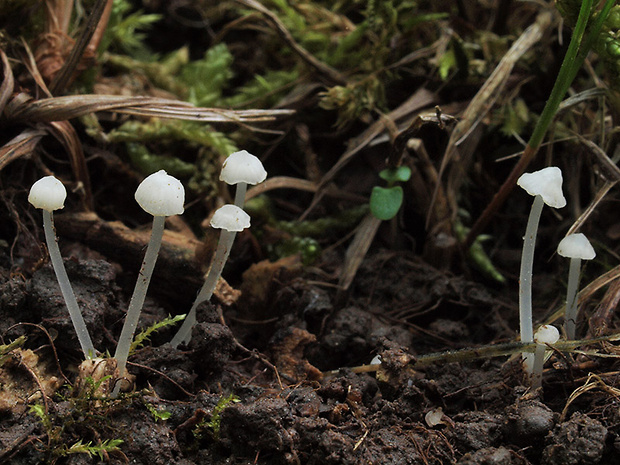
[
  {"x": 28, "y": 60},
  {"x": 286, "y": 182},
  {"x": 8, "y": 82},
  {"x": 357, "y": 249},
  {"x": 21, "y": 145},
  {"x": 281, "y": 182},
  {"x": 469, "y": 354},
  {"x": 207, "y": 115},
  {"x": 73, "y": 106}
]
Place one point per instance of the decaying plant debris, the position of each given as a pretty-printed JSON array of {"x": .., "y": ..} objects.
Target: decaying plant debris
[{"x": 335, "y": 337}]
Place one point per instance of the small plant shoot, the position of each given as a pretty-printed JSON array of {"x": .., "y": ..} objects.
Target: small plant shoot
[{"x": 385, "y": 202}]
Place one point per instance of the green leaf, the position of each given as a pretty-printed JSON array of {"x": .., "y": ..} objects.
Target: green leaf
[
  {"x": 393, "y": 175},
  {"x": 386, "y": 201}
]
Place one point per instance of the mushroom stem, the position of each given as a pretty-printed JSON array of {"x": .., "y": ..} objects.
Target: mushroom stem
[
  {"x": 222, "y": 252},
  {"x": 242, "y": 188},
  {"x": 570, "y": 317},
  {"x": 139, "y": 294},
  {"x": 525, "y": 280},
  {"x": 546, "y": 334},
  {"x": 539, "y": 361},
  {"x": 65, "y": 287}
]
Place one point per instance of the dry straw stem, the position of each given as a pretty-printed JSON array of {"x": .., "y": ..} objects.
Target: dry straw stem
[
  {"x": 288, "y": 182},
  {"x": 8, "y": 83},
  {"x": 356, "y": 251},
  {"x": 21, "y": 145},
  {"x": 23, "y": 109},
  {"x": 495, "y": 350}
]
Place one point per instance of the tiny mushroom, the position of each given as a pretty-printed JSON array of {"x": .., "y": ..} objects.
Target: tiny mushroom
[
  {"x": 242, "y": 168},
  {"x": 546, "y": 334},
  {"x": 577, "y": 247},
  {"x": 49, "y": 194},
  {"x": 160, "y": 195},
  {"x": 230, "y": 219},
  {"x": 546, "y": 187}
]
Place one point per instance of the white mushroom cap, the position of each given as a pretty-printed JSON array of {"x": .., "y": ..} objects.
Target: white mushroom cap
[
  {"x": 242, "y": 167},
  {"x": 48, "y": 193},
  {"x": 547, "y": 183},
  {"x": 547, "y": 334},
  {"x": 230, "y": 218},
  {"x": 161, "y": 194},
  {"x": 576, "y": 246}
]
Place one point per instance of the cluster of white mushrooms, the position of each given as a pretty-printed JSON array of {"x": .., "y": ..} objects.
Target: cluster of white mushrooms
[
  {"x": 160, "y": 195},
  {"x": 546, "y": 187}
]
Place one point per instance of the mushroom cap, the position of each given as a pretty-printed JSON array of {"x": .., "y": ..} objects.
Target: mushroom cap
[
  {"x": 242, "y": 166},
  {"x": 161, "y": 194},
  {"x": 547, "y": 334},
  {"x": 230, "y": 218},
  {"x": 547, "y": 183},
  {"x": 48, "y": 193},
  {"x": 576, "y": 246}
]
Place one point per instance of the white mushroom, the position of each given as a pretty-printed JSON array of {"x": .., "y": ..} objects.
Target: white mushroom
[
  {"x": 547, "y": 183},
  {"x": 160, "y": 195},
  {"x": 49, "y": 194},
  {"x": 230, "y": 219},
  {"x": 577, "y": 247},
  {"x": 546, "y": 334},
  {"x": 546, "y": 187},
  {"x": 242, "y": 168}
]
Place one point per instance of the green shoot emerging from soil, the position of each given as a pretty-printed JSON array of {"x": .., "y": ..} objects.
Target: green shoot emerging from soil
[{"x": 213, "y": 424}]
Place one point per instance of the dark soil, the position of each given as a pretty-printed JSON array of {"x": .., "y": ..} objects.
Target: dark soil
[{"x": 284, "y": 409}]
